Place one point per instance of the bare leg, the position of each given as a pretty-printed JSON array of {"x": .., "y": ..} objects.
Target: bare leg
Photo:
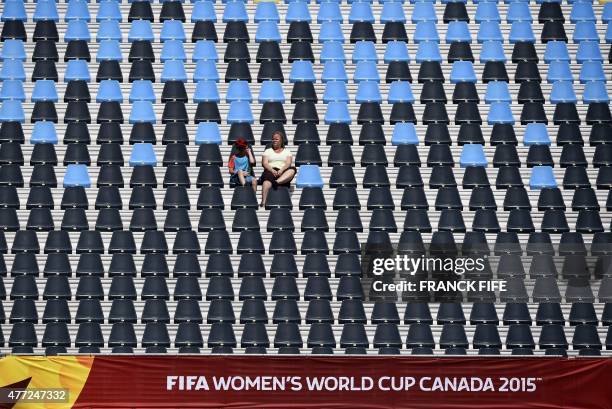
[
  {"x": 241, "y": 177},
  {"x": 287, "y": 176},
  {"x": 264, "y": 191},
  {"x": 254, "y": 183}
]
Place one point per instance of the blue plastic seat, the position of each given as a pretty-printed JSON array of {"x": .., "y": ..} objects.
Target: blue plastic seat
[
  {"x": 142, "y": 112},
  {"x": 392, "y": 12},
  {"x": 424, "y": 11},
  {"x": 46, "y": 11},
  {"x": 595, "y": 91},
  {"x": 108, "y": 10},
  {"x": 556, "y": 51},
  {"x": 400, "y": 91},
  {"x": 332, "y": 51},
  {"x": 518, "y": 11},
  {"x": 592, "y": 71},
  {"x": 582, "y": 11},
  {"x": 458, "y": 31},
  {"x": 240, "y": 112},
  {"x": 562, "y": 91},
  {"x": 368, "y": 91},
  {"x": 536, "y": 134},
  {"x": 500, "y": 113},
  {"x": 12, "y": 70},
  {"x": 44, "y": 132},
  {"x": 335, "y": 91},
  {"x": 206, "y": 70},
  {"x": 492, "y": 51},
  {"x": 329, "y": 11},
  {"x": 309, "y": 176},
  {"x": 606, "y": 15},
  {"x": 14, "y": 10},
  {"x": 173, "y": 50},
  {"x": 428, "y": 51},
  {"x": 331, "y": 31},
  {"x": 77, "y": 10},
  {"x": 271, "y": 91},
  {"x": 77, "y": 30},
  {"x": 559, "y": 71},
  {"x": 206, "y": 91},
  {"x": 12, "y": 89},
  {"x": 109, "y": 50},
  {"x": 143, "y": 154},
  {"x": 396, "y": 51},
  {"x": 238, "y": 91},
  {"x": 366, "y": 71},
  {"x": 334, "y": 71},
  {"x": 108, "y": 30},
  {"x": 267, "y": 31},
  {"x": 13, "y": 50},
  {"x": 203, "y": 11},
  {"x": 609, "y": 33},
  {"x": 364, "y": 51},
  {"x": 142, "y": 90},
  {"x": 109, "y": 90},
  {"x": 77, "y": 70},
  {"x": 44, "y": 90},
  {"x": 76, "y": 176},
  {"x": 141, "y": 30},
  {"x": 521, "y": 31},
  {"x": 489, "y": 31},
  {"x": 404, "y": 133},
  {"x": 174, "y": 70},
  {"x": 497, "y": 91},
  {"x": 12, "y": 111},
  {"x": 266, "y": 11},
  {"x": 301, "y": 71},
  {"x": 542, "y": 177},
  {"x": 426, "y": 31},
  {"x": 172, "y": 30},
  {"x": 235, "y": 11},
  {"x": 462, "y": 71},
  {"x": 205, "y": 50},
  {"x": 585, "y": 31},
  {"x": 487, "y": 12},
  {"x": 361, "y": 12},
  {"x": 588, "y": 51},
  {"x": 337, "y": 112},
  {"x": 208, "y": 133},
  {"x": 298, "y": 11},
  {"x": 473, "y": 155}
]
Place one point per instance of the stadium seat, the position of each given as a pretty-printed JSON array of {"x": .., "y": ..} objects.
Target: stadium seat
[
  {"x": 332, "y": 51},
  {"x": 458, "y": 31},
  {"x": 12, "y": 89},
  {"x": 266, "y": 11},
  {"x": 76, "y": 175},
  {"x": 142, "y": 90}
]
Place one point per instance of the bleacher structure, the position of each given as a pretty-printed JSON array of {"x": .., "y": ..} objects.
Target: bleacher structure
[{"x": 483, "y": 125}]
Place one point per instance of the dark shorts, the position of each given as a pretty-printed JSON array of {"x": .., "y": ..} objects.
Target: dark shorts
[{"x": 267, "y": 175}]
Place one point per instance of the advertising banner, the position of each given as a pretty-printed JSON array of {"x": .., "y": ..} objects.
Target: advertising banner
[{"x": 232, "y": 381}]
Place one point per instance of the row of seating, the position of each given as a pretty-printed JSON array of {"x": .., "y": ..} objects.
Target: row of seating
[{"x": 320, "y": 338}]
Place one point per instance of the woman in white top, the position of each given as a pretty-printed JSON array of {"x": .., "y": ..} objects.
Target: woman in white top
[{"x": 278, "y": 166}]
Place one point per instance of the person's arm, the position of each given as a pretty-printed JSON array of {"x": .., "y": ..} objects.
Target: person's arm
[
  {"x": 251, "y": 156},
  {"x": 266, "y": 164},
  {"x": 230, "y": 165},
  {"x": 286, "y": 165}
]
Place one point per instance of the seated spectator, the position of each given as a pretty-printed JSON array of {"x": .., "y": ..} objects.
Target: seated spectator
[
  {"x": 278, "y": 166},
  {"x": 241, "y": 164}
]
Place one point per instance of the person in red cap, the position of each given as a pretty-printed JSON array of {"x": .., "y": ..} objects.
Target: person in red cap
[{"x": 241, "y": 164}]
